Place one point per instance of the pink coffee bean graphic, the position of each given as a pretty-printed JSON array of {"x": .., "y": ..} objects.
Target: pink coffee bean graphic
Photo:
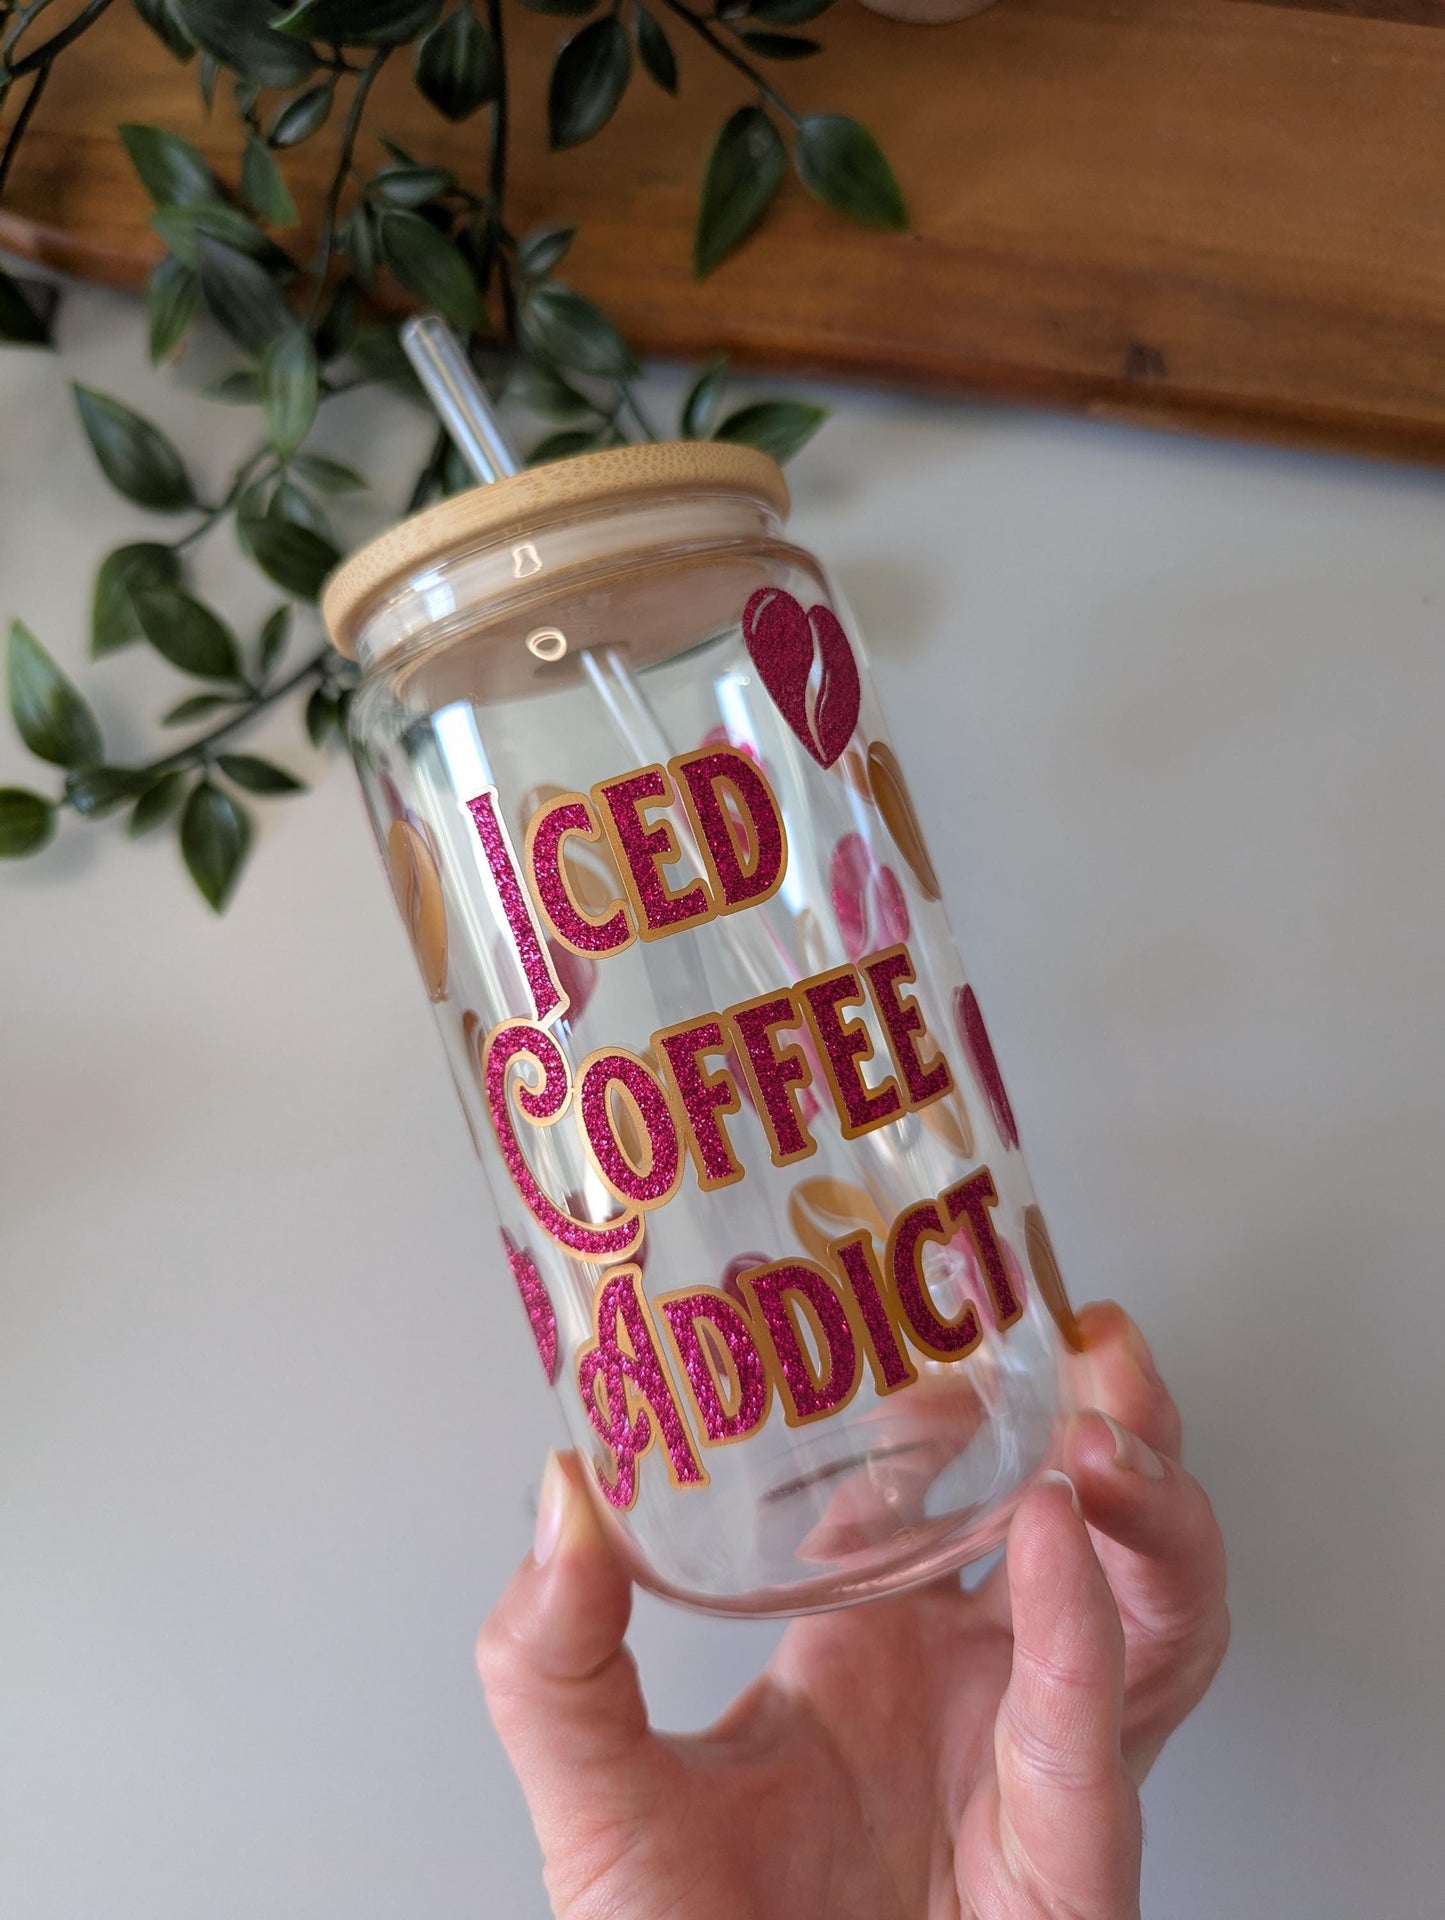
[
  {"x": 973, "y": 1035},
  {"x": 868, "y": 901},
  {"x": 807, "y": 666},
  {"x": 536, "y": 1300}
]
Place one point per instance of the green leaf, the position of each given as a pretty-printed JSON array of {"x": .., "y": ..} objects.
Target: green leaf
[
  {"x": 197, "y": 706},
  {"x": 542, "y": 391},
  {"x": 562, "y": 328},
  {"x": 157, "y": 803},
  {"x": 208, "y": 72},
  {"x": 456, "y": 65},
  {"x": 589, "y": 77},
  {"x": 239, "y": 389},
  {"x": 293, "y": 503},
  {"x": 172, "y": 172},
  {"x": 186, "y": 633},
  {"x": 780, "y": 46},
  {"x": 778, "y": 427},
  {"x": 330, "y": 475},
  {"x": 704, "y": 400},
  {"x": 27, "y": 821},
  {"x": 410, "y": 186},
  {"x": 562, "y": 446},
  {"x": 378, "y": 352},
  {"x": 295, "y": 557},
  {"x": 359, "y": 23},
  {"x": 321, "y": 716},
  {"x": 51, "y": 717},
  {"x": 569, "y": 9},
  {"x": 540, "y": 250},
  {"x": 215, "y": 838},
  {"x": 238, "y": 34},
  {"x": 357, "y": 241},
  {"x": 19, "y": 320},
  {"x": 430, "y": 266},
  {"x": 258, "y": 776},
  {"x": 113, "y": 621},
  {"x": 654, "y": 49},
  {"x": 172, "y": 293},
  {"x": 274, "y": 637},
  {"x": 842, "y": 165},
  {"x": 96, "y": 791},
  {"x": 163, "y": 17},
  {"x": 137, "y": 458},
  {"x": 744, "y": 171},
  {"x": 303, "y": 114},
  {"x": 290, "y": 385},
  {"x": 262, "y": 187},
  {"x": 183, "y": 229},
  {"x": 244, "y": 300}
]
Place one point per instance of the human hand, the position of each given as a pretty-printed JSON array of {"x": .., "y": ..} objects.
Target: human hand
[{"x": 973, "y": 1755}]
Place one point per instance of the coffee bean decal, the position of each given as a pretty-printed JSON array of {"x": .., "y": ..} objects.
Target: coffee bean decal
[
  {"x": 822, "y": 1209},
  {"x": 418, "y": 890},
  {"x": 804, "y": 660},
  {"x": 947, "y": 1120},
  {"x": 976, "y": 1044},
  {"x": 1049, "y": 1280},
  {"x": 895, "y": 803},
  {"x": 868, "y": 901},
  {"x": 536, "y": 1300}
]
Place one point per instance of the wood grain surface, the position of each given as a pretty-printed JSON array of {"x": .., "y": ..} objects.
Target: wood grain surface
[{"x": 1217, "y": 214}]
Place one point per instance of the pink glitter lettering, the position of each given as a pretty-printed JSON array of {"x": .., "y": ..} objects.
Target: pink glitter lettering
[
  {"x": 704, "y": 1097},
  {"x": 542, "y": 1105},
  {"x": 548, "y": 999},
  {"x": 972, "y": 1200},
  {"x": 846, "y": 1045},
  {"x": 748, "y": 1390},
  {"x": 548, "y": 830},
  {"x": 620, "y": 1368},
  {"x": 658, "y": 1181},
  {"x": 943, "y": 1339},
  {"x": 890, "y": 1364},
  {"x": 903, "y": 1022},
  {"x": 646, "y": 850},
  {"x": 743, "y": 833},
  {"x": 779, "y": 1293}
]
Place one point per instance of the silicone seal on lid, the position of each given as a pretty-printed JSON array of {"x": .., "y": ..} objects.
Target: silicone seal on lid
[{"x": 515, "y": 506}]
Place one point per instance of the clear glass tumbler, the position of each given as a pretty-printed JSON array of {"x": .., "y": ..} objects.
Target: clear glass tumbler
[{"x": 758, "y": 1176}]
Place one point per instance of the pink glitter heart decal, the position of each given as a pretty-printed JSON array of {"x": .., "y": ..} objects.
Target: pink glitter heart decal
[
  {"x": 868, "y": 901},
  {"x": 807, "y": 666},
  {"x": 977, "y": 1045},
  {"x": 536, "y": 1300}
]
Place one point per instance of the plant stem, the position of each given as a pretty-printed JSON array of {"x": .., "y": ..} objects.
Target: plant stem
[
  {"x": 634, "y": 406},
  {"x": 197, "y": 750},
  {"x": 211, "y": 515},
  {"x": 40, "y": 57},
  {"x": 22, "y": 121},
  {"x": 497, "y": 168},
  {"x": 704, "y": 31},
  {"x": 344, "y": 157}
]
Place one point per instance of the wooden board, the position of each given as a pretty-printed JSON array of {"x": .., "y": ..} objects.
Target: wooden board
[{"x": 1220, "y": 214}]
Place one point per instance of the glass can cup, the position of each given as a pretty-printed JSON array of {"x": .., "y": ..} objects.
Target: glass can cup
[{"x": 757, "y": 1172}]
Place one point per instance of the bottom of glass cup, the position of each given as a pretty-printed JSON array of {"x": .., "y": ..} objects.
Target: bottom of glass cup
[{"x": 826, "y": 1593}]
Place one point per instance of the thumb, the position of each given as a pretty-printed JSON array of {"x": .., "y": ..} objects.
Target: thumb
[
  {"x": 1068, "y": 1826},
  {"x": 561, "y": 1686}
]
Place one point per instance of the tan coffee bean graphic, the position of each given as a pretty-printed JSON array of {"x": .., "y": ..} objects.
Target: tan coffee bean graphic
[
  {"x": 854, "y": 769},
  {"x": 418, "y": 889},
  {"x": 1049, "y": 1280},
  {"x": 947, "y": 1120},
  {"x": 590, "y": 871},
  {"x": 890, "y": 792},
  {"x": 821, "y": 1210}
]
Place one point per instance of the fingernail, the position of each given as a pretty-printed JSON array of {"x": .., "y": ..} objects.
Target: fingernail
[
  {"x": 1130, "y": 1452},
  {"x": 551, "y": 1507},
  {"x": 1052, "y": 1477}
]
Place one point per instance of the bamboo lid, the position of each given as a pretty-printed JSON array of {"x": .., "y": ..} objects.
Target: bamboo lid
[{"x": 515, "y": 506}]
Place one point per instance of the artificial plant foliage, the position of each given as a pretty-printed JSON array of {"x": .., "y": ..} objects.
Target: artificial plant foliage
[{"x": 305, "y": 330}]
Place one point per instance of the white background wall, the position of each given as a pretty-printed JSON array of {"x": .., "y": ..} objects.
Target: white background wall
[{"x": 269, "y": 1427}]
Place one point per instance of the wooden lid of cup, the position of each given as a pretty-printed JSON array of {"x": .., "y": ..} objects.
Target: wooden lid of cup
[{"x": 511, "y": 508}]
